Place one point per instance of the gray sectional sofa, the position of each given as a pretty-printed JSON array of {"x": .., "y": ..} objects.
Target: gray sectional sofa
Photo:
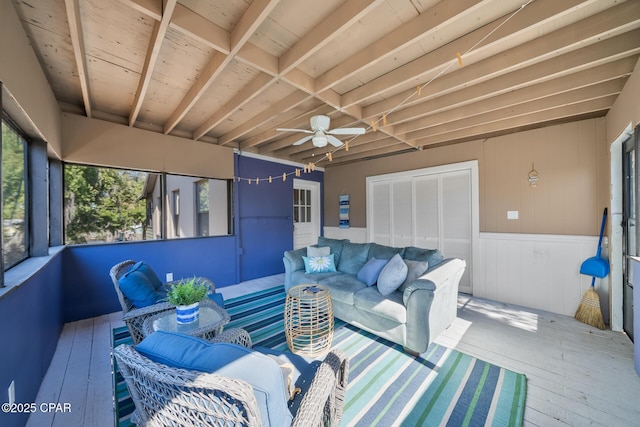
[{"x": 412, "y": 315}]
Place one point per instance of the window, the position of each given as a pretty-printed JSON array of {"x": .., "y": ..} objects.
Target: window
[
  {"x": 301, "y": 205},
  {"x": 105, "y": 205},
  {"x": 202, "y": 208},
  {"x": 14, "y": 195},
  {"x": 109, "y": 205}
]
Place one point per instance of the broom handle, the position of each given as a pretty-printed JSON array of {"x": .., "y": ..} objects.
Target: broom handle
[
  {"x": 593, "y": 281},
  {"x": 604, "y": 220}
]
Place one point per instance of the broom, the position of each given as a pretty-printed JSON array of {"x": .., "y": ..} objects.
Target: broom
[{"x": 589, "y": 309}]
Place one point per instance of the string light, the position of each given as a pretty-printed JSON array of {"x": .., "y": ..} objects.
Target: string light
[{"x": 312, "y": 165}]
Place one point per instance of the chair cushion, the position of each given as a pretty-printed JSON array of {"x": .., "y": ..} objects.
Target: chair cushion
[
  {"x": 369, "y": 272},
  {"x": 319, "y": 264},
  {"x": 392, "y": 275},
  {"x": 217, "y": 298},
  {"x": 141, "y": 285},
  {"x": 229, "y": 360},
  {"x": 354, "y": 256}
]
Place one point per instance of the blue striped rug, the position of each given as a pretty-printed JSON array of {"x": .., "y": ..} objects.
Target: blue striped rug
[{"x": 387, "y": 387}]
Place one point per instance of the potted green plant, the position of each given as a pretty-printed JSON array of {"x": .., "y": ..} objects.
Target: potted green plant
[{"x": 186, "y": 296}]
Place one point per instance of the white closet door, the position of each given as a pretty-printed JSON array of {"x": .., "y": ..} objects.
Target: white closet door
[
  {"x": 380, "y": 221},
  {"x": 433, "y": 208},
  {"x": 402, "y": 213},
  {"x": 456, "y": 220},
  {"x": 427, "y": 213}
]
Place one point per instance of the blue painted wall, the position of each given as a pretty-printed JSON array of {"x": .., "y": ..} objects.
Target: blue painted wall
[
  {"x": 31, "y": 319},
  {"x": 88, "y": 290},
  {"x": 265, "y": 215}
]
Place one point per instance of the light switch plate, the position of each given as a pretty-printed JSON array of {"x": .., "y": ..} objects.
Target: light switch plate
[
  {"x": 512, "y": 214},
  {"x": 169, "y": 277}
]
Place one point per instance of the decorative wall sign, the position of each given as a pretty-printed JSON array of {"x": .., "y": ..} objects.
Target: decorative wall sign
[{"x": 344, "y": 211}]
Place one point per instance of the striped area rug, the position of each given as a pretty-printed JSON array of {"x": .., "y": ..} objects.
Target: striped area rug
[{"x": 387, "y": 387}]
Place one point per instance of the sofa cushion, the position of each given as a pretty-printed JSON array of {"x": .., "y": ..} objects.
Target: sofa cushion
[
  {"x": 415, "y": 269},
  {"x": 371, "y": 270},
  {"x": 432, "y": 256},
  {"x": 300, "y": 277},
  {"x": 353, "y": 257},
  {"x": 335, "y": 245},
  {"x": 343, "y": 287},
  {"x": 141, "y": 285},
  {"x": 384, "y": 252},
  {"x": 295, "y": 258},
  {"x": 315, "y": 251},
  {"x": 229, "y": 360},
  {"x": 319, "y": 264},
  {"x": 389, "y": 306},
  {"x": 392, "y": 275}
]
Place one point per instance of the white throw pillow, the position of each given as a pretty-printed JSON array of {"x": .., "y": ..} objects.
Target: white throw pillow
[{"x": 392, "y": 275}]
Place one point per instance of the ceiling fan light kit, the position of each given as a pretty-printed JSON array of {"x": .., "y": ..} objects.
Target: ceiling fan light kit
[{"x": 321, "y": 135}]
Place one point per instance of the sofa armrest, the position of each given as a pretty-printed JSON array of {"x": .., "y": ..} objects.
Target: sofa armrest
[
  {"x": 292, "y": 262},
  {"x": 432, "y": 303}
]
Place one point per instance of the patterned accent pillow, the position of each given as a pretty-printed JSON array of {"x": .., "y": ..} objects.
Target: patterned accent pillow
[{"x": 319, "y": 264}]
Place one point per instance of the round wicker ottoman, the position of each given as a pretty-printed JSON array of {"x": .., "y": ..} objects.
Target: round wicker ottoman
[{"x": 308, "y": 319}]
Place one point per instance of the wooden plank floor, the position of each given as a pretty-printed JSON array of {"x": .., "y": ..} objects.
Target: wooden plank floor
[{"x": 576, "y": 375}]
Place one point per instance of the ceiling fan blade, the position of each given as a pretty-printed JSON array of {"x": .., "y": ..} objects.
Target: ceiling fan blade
[
  {"x": 293, "y": 130},
  {"x": 303, "y": 140},
  {"x": 334, "y": 141},
  {"x": 347, "y": 131}
]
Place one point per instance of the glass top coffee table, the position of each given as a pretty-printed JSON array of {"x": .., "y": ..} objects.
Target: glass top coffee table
[{"x": 210, "y": 322}]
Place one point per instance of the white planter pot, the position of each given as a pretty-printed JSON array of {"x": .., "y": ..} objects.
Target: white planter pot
[{"x": 187, "y": 313}]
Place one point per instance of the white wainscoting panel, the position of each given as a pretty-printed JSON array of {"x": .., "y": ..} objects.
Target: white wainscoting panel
[
  {"x": 354, "y": 234},
  {"x": 538, "y": 270}
]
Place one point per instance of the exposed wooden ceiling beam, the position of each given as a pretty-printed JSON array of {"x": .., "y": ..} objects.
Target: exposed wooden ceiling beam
[
  {"x": 77, "y": 41},
  {"x": 157, "y": 37},
  {"x": 519, "y": 59},
  {"x": 509, "y": 83},
  {"x": 282, "y": 106},
  {"x": 327, "y": 30},
  {"x": 583, "y": 79},
  {"x": 420, "y": 70},
  {"x": 599, "y": 106},
  {"x": 403, "y": 36},
  {"x": 479, "y": 118},
  {"x": 251, "y": 19}
]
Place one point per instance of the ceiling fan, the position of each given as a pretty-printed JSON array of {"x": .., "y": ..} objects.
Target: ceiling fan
[{"x": 320, "y": 134}]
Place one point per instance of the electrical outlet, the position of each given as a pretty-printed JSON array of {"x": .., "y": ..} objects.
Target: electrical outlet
[
  {"x": 169, "y": 277},
  {"x": 11, "y": 391}
]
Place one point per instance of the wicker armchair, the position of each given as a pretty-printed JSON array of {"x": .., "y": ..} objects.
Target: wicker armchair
[
  {"x": 134, "y": 317},
  {"x": 166, "y": 396}
]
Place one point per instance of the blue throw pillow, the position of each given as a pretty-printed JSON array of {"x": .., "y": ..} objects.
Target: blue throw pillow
[
  {"x": 141, "y": 286},
  {"x": 319, "y": 264},
  {"x": 229, "y": 360},
  {"x": 392, "y": 275},
  {"x": 369, "y": 272}
]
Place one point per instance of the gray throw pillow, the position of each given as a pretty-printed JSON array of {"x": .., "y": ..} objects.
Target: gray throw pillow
[
  {"x": 316, "y": 251},
  {"x": 392, "y": 275},
  {"x": 415, "y": 269}
]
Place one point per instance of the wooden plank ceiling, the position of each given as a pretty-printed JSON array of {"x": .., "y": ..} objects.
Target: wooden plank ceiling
[{"x": 413, "y": 73}]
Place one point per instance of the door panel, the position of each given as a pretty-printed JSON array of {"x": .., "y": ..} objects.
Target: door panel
[
  {"x": 306, "y": 213},
  {"x": 629, "y": 231}
]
